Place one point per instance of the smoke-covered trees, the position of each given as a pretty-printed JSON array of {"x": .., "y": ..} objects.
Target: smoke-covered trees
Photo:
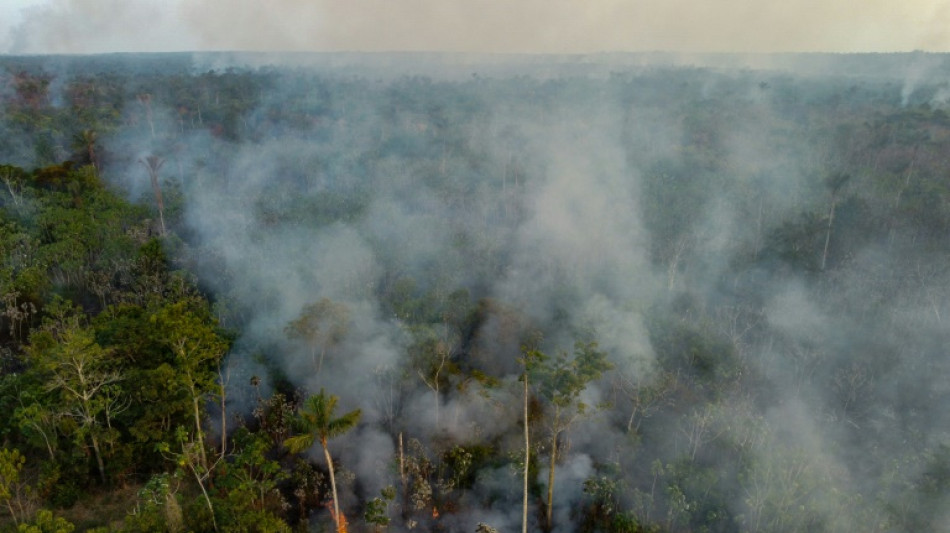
[
  {"x": 320, "y": 326},
  {"x": 777, "y": 357}
]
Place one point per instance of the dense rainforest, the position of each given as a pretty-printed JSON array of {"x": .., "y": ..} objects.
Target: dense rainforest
[{"x": 428, "y": 293}]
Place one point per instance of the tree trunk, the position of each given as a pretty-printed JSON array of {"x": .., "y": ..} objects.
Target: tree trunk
[
  {"x": 435, "y": 392},
  {"x": 224, "y": 410},
  {"x": 49, "y": 447},
  {"x": 99, "y": 462},
  {"x": 831, "y": 221},
  {"x": 16, "y": 522},
  {"x": 204, "y": 492},
  {"x": 402, "y": 477},
  {"x": 549, "y": 510},
  {"x": 557, "y": 415},
  {"x": 527, "y": 459},
  {"x": 336, "y": 504},
  {"x": 199, "y": 436}
]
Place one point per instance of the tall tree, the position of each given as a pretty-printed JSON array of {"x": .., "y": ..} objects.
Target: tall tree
[
  {"x": 189, "y": 332},
  {"x": 153, "y": 164},
  {"x": 834, "y": 183},
  {"x": 317, "y": 423},
  {"x": 559, "y": 381},
  {"x": 529, "y": 359}
]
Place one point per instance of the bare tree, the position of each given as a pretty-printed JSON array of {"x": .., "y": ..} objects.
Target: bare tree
[
  {"x": 834, "y": 183},
  {"x": 153, "y": 164}
]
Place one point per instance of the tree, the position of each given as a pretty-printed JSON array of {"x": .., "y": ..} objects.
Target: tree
[
  {"x": 834, "y": 183},
  {"x": 86, "y": 141},
  {"x": 153, "y": 164},
  {"x": 35, "y": 419},
  {"x": 377, "y": 509},
  {"x": 528, "y": 361},
  {"x": 13, "y": 491},
  {"x": 321, "y": 326},
  {"x": 250, "y": 485},
  {"x": 192, "y": 459},
  {"x": 189, "y": 331},
  {"x": 317, "y": 422},
  {"x": 78, "y": 369},
  {"x": 13, "y": 178},
  {"x": 430, "y": 358},
  {"x": 560, "y": 381}
]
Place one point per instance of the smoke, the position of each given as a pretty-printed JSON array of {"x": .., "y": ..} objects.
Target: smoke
[
  {"x": 674, "y": 215},
  {"x": 83, "y": 27},
  {"x": 551, "y": 207},
  {"x": 525, "y": 26}
]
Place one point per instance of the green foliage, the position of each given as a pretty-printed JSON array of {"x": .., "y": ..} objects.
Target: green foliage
[
  {"x": 561, "y": 379},
  {"x": 46, "y": 522},
  {"x": 157, "y": 509},
  {"x": 248, "y": 487},
  {"x": 603, "y": 510},
  {"x": 316, "y": 422},
  {"x": 377, "y": 509},
  {"x": 81, "y": 377},
  {"x": 14, "y": 493}
]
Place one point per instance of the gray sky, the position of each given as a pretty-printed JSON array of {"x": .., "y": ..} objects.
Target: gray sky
[{"x": 533, "y": 26}]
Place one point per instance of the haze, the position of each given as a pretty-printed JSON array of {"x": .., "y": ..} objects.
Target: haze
[{"x": 489, "y": 26}]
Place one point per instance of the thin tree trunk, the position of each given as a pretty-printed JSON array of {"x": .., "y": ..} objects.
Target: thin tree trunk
[
  {"x": 527, "y": 459},
  {"x": 224, "y": 412},
  {"x": 336, "y": 504},
  {"x": 49, "y": 447},
  {"x": 99, "y": 462},
  {"x": 12, "y": 514},
  {"x": 435, "y": 392},
  {"x": 16, "y": 199},
  {"x": 549, "y": 510},
  {"x": 633, "y": 416},
  {"x": 831, "y": 221},
  {"x": 402, "y": 464},
  {"x": 199, "y": 436},
  {"x": 204, "y": 492},
  {"x": 402, "y": 478},
  {"x": 555, "y": 432}
]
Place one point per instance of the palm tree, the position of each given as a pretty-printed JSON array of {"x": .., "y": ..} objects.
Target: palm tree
[{"x": 317, "y": 422}]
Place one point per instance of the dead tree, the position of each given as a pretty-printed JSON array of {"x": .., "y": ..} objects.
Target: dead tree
[{"x": 152, "y": 164}]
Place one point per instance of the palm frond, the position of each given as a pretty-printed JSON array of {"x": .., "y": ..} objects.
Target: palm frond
[{"x": 299, "y": 443}]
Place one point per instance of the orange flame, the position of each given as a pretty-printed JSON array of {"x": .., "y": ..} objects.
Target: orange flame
[
  {"x": 341, "y": 526},
  {"x": 435, "y": 512}
]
